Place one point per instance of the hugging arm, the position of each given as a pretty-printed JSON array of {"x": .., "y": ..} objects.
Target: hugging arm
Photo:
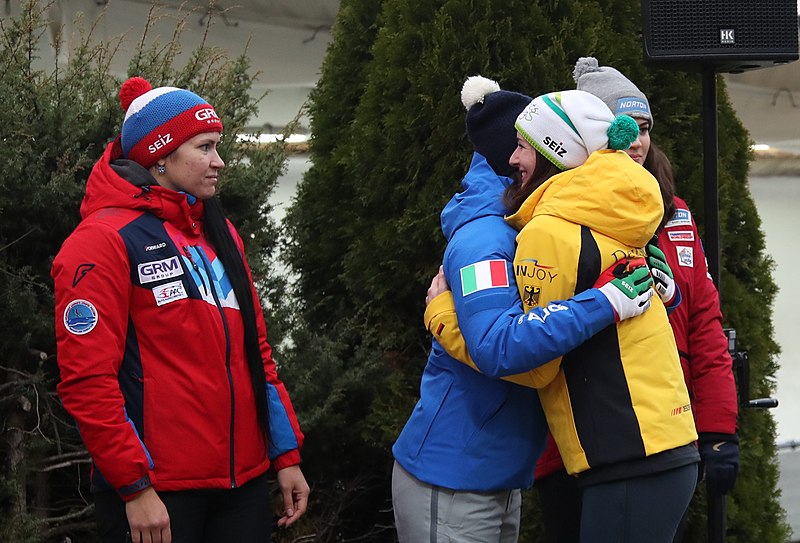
[{"x": 513, "y": 344}]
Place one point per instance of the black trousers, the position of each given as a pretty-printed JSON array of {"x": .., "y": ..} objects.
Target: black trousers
[
  {"x": 560, "y": 501},
  {"x": 241, "y": 514}
]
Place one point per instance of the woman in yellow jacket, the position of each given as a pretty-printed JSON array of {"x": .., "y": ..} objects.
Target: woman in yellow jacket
[{"x": 617, "y": 406}]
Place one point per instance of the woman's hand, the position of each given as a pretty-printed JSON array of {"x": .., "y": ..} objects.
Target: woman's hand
[
  {"x": 295, "y": 493},
  {"x": 438, "y": 285},
  {"x": 148, "y": 518}
]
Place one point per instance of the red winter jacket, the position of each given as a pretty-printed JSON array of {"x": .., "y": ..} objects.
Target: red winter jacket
[
  {"x": 697, "y": 326},
  {"x": 151, "y": 345}
]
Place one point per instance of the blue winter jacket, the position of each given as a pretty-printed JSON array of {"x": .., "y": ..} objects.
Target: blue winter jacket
[{"x": 469, "y": 430}]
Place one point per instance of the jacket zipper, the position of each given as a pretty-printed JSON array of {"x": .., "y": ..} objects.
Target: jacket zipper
[
  {"x": 207, "y": 267},
  {"x": 196, "y": 268}
]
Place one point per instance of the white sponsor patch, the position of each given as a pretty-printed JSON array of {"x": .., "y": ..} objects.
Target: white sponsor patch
[
  {"x": 685, "y": 256},
  {"x": 169, "y": 292},
  {"x": 682, "y": 217},
  {"x": 80, "y": 317},
  {"x": 160, "y": 269},
  {"x": 681, "y": 235}
]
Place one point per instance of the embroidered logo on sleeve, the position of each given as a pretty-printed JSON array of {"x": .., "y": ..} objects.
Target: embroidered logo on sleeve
[
  {"x": 169, "y": 292},
  {"x": 682, "y": 217},
  {"x": 80, "y": 317},
  {"x": 681, "y": 235},
  {"x": 685, "y": 256},
  {"x": 160, "y": 269},
  {"x": 80, "y": 273},
  {"x": 483, "y": 275}
]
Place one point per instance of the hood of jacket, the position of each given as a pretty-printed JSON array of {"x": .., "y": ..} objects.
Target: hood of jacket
[
  {"x": 609, "y": 193},
  {"x": 482, "y": 196},
  {"x": 115, "y": 182}
]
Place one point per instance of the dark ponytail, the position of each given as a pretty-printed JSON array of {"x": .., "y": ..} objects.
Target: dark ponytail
[
  {"x": 216, "y": 228},
  {"x": 657, "y": 163}
]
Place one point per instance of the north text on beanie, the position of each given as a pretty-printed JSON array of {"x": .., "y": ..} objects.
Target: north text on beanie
[
  {"x": 567, "y": 126},
  {"x": 491, "y": 113},
  {"x": 158, "y": 121},
  {"x": 617, "y": 91}
]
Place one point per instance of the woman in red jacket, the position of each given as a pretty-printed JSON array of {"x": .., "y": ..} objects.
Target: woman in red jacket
[
  {"x": 696, "y": 323},
  {"x": 162, "y": 344}
]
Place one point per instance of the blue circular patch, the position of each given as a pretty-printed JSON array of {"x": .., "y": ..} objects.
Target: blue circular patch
[{"x": 80, "y": 317}]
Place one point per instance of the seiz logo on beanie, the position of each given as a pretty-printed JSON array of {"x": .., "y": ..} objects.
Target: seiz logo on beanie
[
  {"x": 159, "y": 143},
  {"x": 555, "y": 146}
]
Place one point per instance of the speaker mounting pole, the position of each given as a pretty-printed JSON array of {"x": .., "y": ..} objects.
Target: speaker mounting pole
[
  {"x": 711, "y": 172},
  {"x": 717, "y": 514}
]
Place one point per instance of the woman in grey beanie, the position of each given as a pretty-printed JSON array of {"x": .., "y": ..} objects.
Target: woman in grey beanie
[{"x": 696, "y": 322}]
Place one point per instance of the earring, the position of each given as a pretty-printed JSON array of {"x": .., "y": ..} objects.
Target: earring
[{"x": 161, "y": 169}]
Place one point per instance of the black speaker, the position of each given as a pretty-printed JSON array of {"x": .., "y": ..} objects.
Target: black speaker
[{"x": 731, "y": 35}]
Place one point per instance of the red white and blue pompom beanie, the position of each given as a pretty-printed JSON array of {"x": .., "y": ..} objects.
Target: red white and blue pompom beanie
[{"x": 157, "y": 121}]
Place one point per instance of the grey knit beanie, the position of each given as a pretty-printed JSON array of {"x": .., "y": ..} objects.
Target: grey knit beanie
[{"x": 617, "y": 91}]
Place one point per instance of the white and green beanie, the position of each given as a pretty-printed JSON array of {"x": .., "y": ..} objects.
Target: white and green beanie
[{"x": 568, "y": 126}]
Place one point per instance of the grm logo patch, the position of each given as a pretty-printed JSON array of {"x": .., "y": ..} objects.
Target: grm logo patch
[{"x": 160, "y": 269}]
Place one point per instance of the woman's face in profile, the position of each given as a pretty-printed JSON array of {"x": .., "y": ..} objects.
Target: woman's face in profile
[
  {"x": 194, "y": 166},
  {"x": 639, "y": 148},
  {"x": 523, "y": 159}
]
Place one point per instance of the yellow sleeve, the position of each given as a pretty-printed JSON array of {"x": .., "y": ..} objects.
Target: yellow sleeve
[{"x": 442, "y": 321}]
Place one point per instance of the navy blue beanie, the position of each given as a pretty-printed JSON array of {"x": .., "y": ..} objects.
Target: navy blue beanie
[{"x": 490, "y": 118}]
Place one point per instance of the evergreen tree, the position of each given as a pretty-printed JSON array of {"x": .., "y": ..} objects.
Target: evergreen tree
[
  {"x": 389, "y": 149},
  {"x": 56, "y": 123}
]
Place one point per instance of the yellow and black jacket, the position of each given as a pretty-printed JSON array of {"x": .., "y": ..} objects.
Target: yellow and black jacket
[{"x": 619, "y": 400}]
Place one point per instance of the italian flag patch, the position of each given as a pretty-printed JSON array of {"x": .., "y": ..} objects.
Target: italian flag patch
[{"x": 483, "y": 275}]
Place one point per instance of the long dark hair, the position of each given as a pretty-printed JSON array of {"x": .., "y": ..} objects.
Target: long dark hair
[
  {"x": 216, "y": 228},
  {"x": 515, "y": 194},
  {"x": 657, "y": 163}
]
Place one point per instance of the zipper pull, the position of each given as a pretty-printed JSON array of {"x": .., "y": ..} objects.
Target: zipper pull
[{"x": 196, "y": 268}]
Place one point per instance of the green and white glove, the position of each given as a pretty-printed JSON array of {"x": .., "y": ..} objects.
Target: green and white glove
[
  {"x": 662, "y": 274},
  {"x": 628, "y": 287}
]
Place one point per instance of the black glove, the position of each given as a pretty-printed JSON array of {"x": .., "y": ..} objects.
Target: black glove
[{"x": 719, "y": 454}]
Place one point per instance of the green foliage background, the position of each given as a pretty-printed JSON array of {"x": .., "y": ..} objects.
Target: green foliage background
[
  {"x": 362, "y": 236},
  {"x": 389, "y": 149}
]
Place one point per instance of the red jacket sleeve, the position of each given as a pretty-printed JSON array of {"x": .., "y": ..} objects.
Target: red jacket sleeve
[
  {"x": 697, "y": 325},
  {"x": 92, "y": 287}
]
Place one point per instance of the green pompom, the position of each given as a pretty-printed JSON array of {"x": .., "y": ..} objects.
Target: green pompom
[{"x": 622, "y": 132}]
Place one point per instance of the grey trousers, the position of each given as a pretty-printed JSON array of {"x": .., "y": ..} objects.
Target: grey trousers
[{"x": 430, "y": 514}]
